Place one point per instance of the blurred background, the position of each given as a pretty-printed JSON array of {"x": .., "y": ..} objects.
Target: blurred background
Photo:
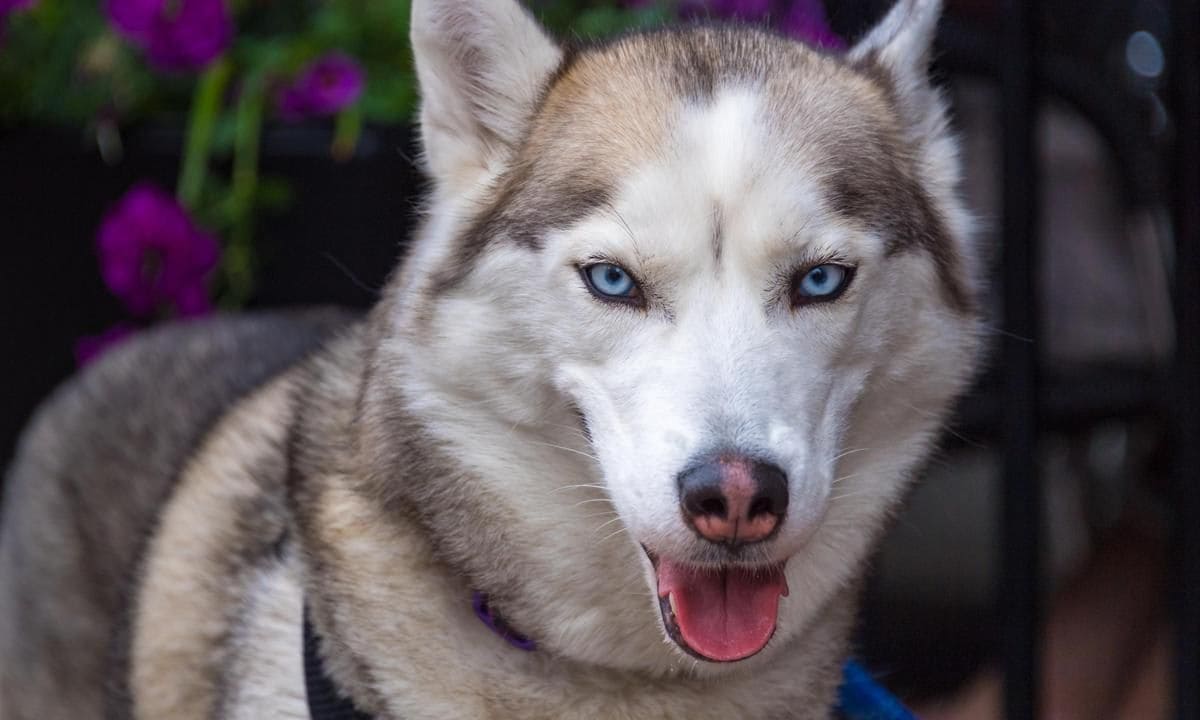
[{"x": 162, "y": 159}]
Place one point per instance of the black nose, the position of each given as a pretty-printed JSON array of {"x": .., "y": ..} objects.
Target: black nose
[{"x": 734, "y": 499}]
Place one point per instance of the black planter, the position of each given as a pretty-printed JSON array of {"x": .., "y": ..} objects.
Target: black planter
[{"x": 344, "y": 231}]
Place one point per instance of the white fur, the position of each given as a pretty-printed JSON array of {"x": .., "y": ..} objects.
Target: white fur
[{"x": 264, "y": 677}]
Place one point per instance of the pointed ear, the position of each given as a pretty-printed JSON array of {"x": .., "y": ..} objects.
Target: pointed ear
[
  {"x": 481, "y": 65},
  {"x": 898, "y": 50},
  {"x": 899, "y": 46}
]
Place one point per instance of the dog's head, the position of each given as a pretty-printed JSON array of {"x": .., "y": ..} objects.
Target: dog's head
[{"x": 686, "y": 311}]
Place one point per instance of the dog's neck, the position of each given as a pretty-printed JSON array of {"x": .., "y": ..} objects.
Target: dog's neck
[
  {"x": 372, "y": 561},
  {"x": 437, "y": 653},
  {"x": 860, "y": 697}
]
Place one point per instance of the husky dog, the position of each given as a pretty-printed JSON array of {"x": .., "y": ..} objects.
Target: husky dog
[{"x": 687, "y": 310}]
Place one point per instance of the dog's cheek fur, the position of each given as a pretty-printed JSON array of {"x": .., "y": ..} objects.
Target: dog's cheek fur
[
  {"x": 895, "y": 417},
  {"x": 518, "y": 480}
]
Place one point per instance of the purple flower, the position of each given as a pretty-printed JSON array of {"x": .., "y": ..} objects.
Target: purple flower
[
  {"x": 805, "y": 21},
  {"x": 90, "y": 347},
  {"x": 176, "y": 34},
  {"x": 802, "y": 19},
  {"x": 7, "y": 6},
  {"x": 746, "y": 10},
  {"x": 152, "y": 255},
  {"x": 327, "y": 85}
]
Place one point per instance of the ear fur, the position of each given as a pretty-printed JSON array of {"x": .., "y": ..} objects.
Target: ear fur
[
  {"x": 901, "y": 41},
  {"x": 900, "y": 47},
  {"x": 481, "y": 65}
]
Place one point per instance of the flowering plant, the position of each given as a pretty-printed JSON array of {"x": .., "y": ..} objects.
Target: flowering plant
[{"x": 224, "y": 68}]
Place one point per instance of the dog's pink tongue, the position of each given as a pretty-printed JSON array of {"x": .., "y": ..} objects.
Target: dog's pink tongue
[{"x": 723, "y": 615}]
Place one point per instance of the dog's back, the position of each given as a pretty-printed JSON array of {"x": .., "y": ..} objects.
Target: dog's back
[{"x": 84, "y": 492}]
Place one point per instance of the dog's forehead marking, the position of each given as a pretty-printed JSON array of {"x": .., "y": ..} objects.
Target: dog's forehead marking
[
  {"x": 612, "y": 108},
  {"x": 722, "y": 139},
  {"x": 833, "y": 124},
  {"x": 724, "y": 175},
  {"x": 722, "y": 136}
]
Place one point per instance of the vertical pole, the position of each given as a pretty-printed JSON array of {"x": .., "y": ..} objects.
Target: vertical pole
[
  {"x": 1185, "y": 84},
  {"x": 1021, "y": 510}
]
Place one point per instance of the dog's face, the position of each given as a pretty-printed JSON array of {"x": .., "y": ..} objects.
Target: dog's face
[{"x": 690, "y": 306}]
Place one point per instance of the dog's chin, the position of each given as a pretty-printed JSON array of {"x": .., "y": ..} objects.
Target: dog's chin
[{"x": 718, "y": 613}]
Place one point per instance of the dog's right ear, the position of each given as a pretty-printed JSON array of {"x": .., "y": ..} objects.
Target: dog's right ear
[{"x": 481, "y": 65}]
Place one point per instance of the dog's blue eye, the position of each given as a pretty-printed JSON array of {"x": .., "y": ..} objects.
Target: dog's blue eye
[
  {"x": 823, "y": 282},
  {"x": 611, "y": 281}
]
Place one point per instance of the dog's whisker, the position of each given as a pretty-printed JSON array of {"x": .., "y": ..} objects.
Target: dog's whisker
[
  {"x": 576, "y": 487},
  {"x": 605, "y": 524},
  {"x": 945, "y": 427},
  {"x": 592, "y": 500},
  {"x": 592, "y": 516},
  {"x": 846, "y": 453},
  {"x": 612, "y": 535},
  {"x": 844, "y": 496},
  {"x": 843, "y": 478},
  {"x": 565, "y": 448},
  {"x": 573, "y": 428}
]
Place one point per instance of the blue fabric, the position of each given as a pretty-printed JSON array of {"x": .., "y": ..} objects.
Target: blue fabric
[{"x": 861, "y": 698}]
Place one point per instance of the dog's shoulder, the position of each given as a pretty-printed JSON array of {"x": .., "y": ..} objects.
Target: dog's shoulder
[{"x": 95, "y": 467}]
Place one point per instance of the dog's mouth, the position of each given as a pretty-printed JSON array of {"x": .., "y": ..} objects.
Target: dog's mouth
[{"x": 719, "y": 614}]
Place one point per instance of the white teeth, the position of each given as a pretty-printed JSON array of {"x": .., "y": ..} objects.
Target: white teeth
[{"x": 671, "y": 602}]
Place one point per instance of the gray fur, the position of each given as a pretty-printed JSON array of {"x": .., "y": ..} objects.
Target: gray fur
[{"x": 91, "y": 473}]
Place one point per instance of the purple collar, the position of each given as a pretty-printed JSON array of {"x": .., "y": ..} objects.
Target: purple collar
[{"x": 483, "y": 610}]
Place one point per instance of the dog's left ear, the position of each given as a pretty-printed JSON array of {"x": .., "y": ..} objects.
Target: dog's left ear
[
  {"x": 899, "y": 46},
  {"x": 898, "y": 51},
  {"x": 481, "y": 65}
]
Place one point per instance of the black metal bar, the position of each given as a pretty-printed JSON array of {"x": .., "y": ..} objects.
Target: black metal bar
[
  {"x": 1185, "y": 84},
  {"x": 1021, "y": 511}
]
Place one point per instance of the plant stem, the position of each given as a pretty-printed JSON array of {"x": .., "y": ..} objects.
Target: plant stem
[
  {"x": 346, "y": 132},
  {"x": 239, "y": 254},
  {"x": 206, "y": 106}
]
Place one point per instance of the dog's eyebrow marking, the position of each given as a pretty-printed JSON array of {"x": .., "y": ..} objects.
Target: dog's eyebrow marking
[
  {"x": 530, "y": 201},
  {"x": 889, "y": 201}
]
